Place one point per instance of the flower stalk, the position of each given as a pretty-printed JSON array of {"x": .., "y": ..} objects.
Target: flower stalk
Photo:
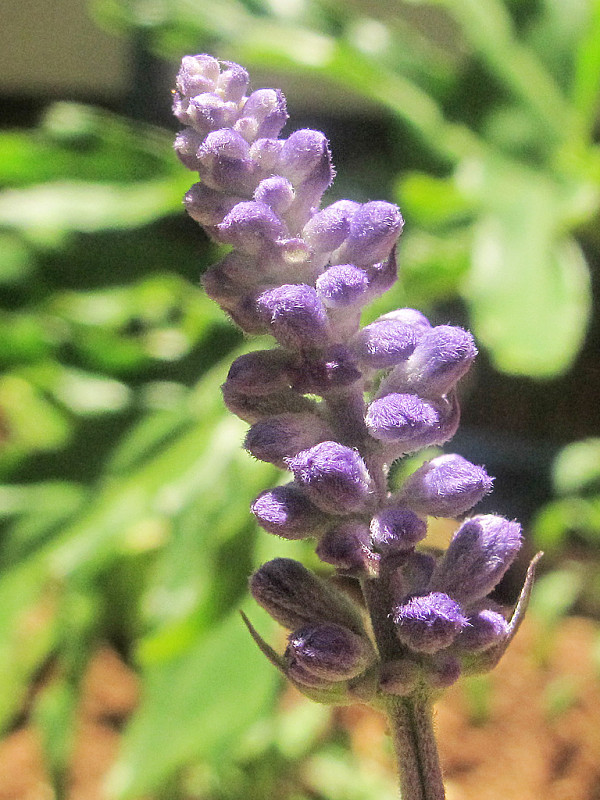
[{"x": 335, "y": 405}]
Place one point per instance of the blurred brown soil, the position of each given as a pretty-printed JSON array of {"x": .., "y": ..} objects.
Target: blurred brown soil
[{"x": 539, "y": 739}]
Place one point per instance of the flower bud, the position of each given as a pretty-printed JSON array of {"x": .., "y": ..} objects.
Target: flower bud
[
  {"x": 286, "y": 511},
  {"x": 186, "y": 145},
  {"x": 427, "y": 623},
  {"x": 277, "y": 193},
  {"x": 384, "y": 343},
  {"x": 326, "y": 372},
  {"x": 278, "y": 438},
  {"x": 410, "y": 423},
  {"x": 446, "y": 486},
  {"x": 484, "y": 628},
  {"x": 225, "y": 162},
  {"x": 263, "y": 116},
  {"x": 327, "y": 652},
  {"x": 197, "y": 74},
  {"x": 209, "y": 112},
  {"x": 409, "y": 316},
  {"x": 328, "y": 228},
  {"x": 334, "y": 476},
  {"x": 382, "y": 276},
  {"x": 374, "y": 229},
  {"x": 295, "y": 597},
  {"x": 305, "y": 156},
  {"x": 232, "y": 82},
  {"x": 480, "y": 552},
  {"x": 348, "y": 548},
  {"x": 266, "y": 154},
  {"x": 207, "y": 206},
  {"x": 443, "y": 670},
  {"x": 252, "y": 408},
  {"x": 342, "y": 285},
  {"x": 250, "y": 226},
  {"x": 259, "y": 373},
  {"x": 396, "y": 529},
  {"x": 296, "y": 316}
]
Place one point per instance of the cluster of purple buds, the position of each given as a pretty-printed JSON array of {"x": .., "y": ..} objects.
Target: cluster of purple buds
[{"x": 335, "y": 404}]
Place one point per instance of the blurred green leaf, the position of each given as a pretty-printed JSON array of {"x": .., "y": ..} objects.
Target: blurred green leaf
[
  {"x": 586, "y": 83},
  {"x": 195, "y": 705},
  {"x": 577, "y": 467},
  {"x": 572, "y": 515},
  {"x": 554, "y": 594}
]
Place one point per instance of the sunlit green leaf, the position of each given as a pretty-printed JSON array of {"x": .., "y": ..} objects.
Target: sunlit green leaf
[{"x": 577, "y": 466}]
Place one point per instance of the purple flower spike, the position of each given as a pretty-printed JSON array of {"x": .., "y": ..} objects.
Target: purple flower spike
[
  {"x": 430, "y": 622},
  {"x": 334, "y": 476},
  {"x": 296, "y": 315},
  {"x": 484, "y": 629},
  {"x": 374, "y": 229},
  {"x": 278, "y": 438},
  {"x": 396, "y": 529},
  {"x": 293, "y": 596},
  {"x": 481, "y": 551},
  {"x": 287, "y": 512},
  {"x": 328, "y": 652},
  {"x": 348, "y": 548},
  {"x": 250, "y": 226},
  {"x": 446, "y": 486},
  {"x": 342, "y": 286},
  {"x": 328, "y": 228},
  {"x": 384, "y": 343}
]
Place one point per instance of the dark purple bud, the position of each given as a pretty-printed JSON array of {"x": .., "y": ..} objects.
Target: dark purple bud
[
  {"x": 348, "y": 548},
  {"x": 197, "y": 74},
  {"x": 429, "y": 622},
  {"x": 443, "y": 670},
  {"x": 295, "y": 597},
  {"x": 440, "y": 359},
  {"x": 410, "y": 423},
  {"x": 484, "y": 629},
  {"x": 254, "y": 407},
  {"x": 342, "y": 285},
  {"x": 187, "y": 143},
  {"x": 446, "y": 486},
  {"x": 286, "y": 511},
  {"x": 259, "y": 373},
  {"x": 328, "y": 652},
  {"x": 296, "y": 316},
  {"x": 374, "y": 229},
  {"x": 207, "y": 206},
  {"x": 399, "y": 677},
  {"x": 384, "y": 343},
  {"x": 396, "y": 529},
  {"x": 326, "y": 372},
  {"x": 278, "y": 438},
  {"x": 233, "y": 82},
  {"x": 335, "y": 477},
  {"x": 479, "y": 554},
  {"x": 250, "y": 226},
  {"x": 277, "y": 193},
  {"x": 263, "y": 115},
  {"x": 328, "y": 228},
  {"x": 306, "y": 157}
]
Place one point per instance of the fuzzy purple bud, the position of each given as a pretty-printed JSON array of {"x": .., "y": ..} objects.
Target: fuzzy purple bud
[
  {"x": 399, "y": 677},
  {"x": 296, "y": 316},
  {"x": 276, "y": 192},
  {"x": 327, "y": 652},
  {"x": 446, "y": 486},
  {"x": 278, "y": 438},
  {"x": 409, "y": 422},
  {"x": 286, "y": 511},
  {"x": 429, "y": 622},
  {"x": 479, "y": 554},
  {"x": 335, "y": 477},
  {"x": 225, "y": 163},
  {"x": 207, "y": 206},
  {"x": 443, "y": 670},
  {"x": 294, "y": 596},
  {"x": 384, "y": 343},
  {"x": 484, "y": 629},
  {"x": 328, "y": 228},
  {"x": 263, "y": 116},
  {"x": 198, "y": 74},
  {"x": 342, "y": 286},
  {"x": 260, "y": 372},
  {"x": 348, "y": 548},
  {"x": 233, "y": 82},
  {"x": 305, "y": 157},
  {"x": 254, "y": 407},
  {"x": 374, "y": 229},
  {"x": 250, "y": 226},
  {"x": 208, "y": 112},
  {"x": 396, "y": 529}
]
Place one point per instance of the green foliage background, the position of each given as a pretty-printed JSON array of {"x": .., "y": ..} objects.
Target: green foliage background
[{"x": 125, "y": 492}]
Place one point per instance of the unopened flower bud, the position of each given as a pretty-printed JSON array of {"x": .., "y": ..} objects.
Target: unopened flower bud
[
  {"x": 232, "y": 82},
  {"x": 286, "y": 511},
  {"x": 209, "y": 112},
  {"x": 396, "y": 529},
  {"x": 328, "y": 228},
  {"x": 332, "y": 369},
  {"x": 342, "y": 285},
  {"x": 443, "y": 670},
  {"x": 484, "y": 628},
  {"x": 225, "y": 162},
  {"x": 259, "y": 373},
  {"x": 276, "y": 192},
  {"x": 410, "y": 422},
  {"x": 429, "y": 622},
  {"x": 296, "y": 316},
  {"x": 348, "y": 548},
  {"x": 295, "y": 597},
  {"x": 479, "y": 554},
  {"x": 446, "y": 486},
  {"x": 263, "y": 116},
  {"x": 280, "y": 437},
  {"x": 328, "y": 652},
  {"x": 305, "y": 156},
  {"x": 250, "y": 226},
  {"x": 374, "y": 229},
  {"x": 186, "y": 145},
  {"x": 266, "y": 154},
  {"x": 334, "y": 476},
  {"x": 384, "y": 343},
  {"x": 197, "y": 74},
  {"x": 252, "y": 408},
  {"x": 207, "y": 206},
  {"x": 409, "y": 316}
]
